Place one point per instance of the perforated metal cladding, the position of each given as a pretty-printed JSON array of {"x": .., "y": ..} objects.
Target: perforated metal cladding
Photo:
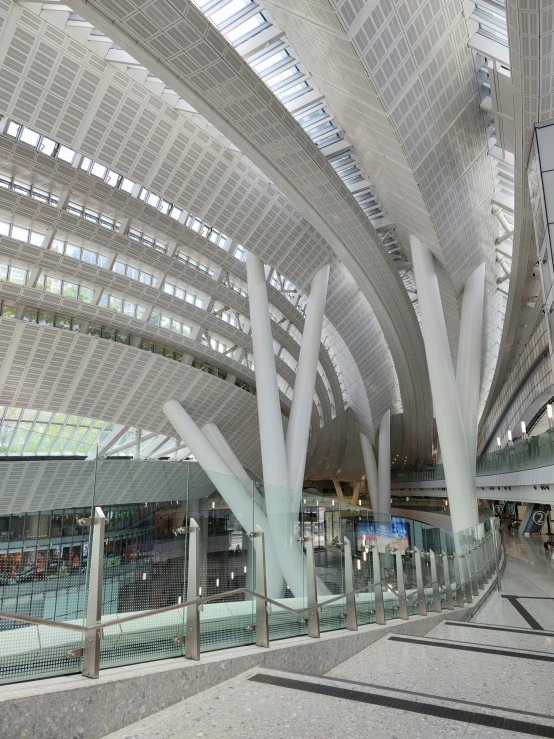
[
  {"x": 372, "y": 357},
  {"x": 47, "y": 368},
  {"x": 94, "y": 191},
  {"x": 130, "y": 130},
  {"x": 67, "y": 225},
  {"x": 530, "y": 34},
  {"x": 353, "y": 459},
  {"x": 417, "y": 58},
  {"x": 518, "y": 392},
  {"x": 461, "y": 220},
  {"x": 63, "y": 483},
  {"x": 52, "y": 173},
  {"x": 210, "y": 67},
  {"x": 14, "y": 294},
  {"x": 310, "y": 248},
  {"x": 417, "y": 113},
  {"x": 5, "y": 6}
]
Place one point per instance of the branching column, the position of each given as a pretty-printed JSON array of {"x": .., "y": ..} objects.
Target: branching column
[
  {"x": 272, "y": 442},
  {"x": 279, "y": 499},
  {"x": 231, "y": 488},
  {"x": 468, "y": 370},
  {"x": 460, "y": 480},
  {"x": 371, "y": 471},
  {"x": 383, "y": 471},
  {"x": 298, "y": 430}
]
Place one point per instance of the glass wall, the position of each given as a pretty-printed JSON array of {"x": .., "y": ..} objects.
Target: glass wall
[
  {"x": 537, "y": 451},
  {"x": 150, "y": 509}
]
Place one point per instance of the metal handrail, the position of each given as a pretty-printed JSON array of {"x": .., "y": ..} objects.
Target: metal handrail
[
  {"x": 166, "y": 609},
  {"x": 177, "y": 606},
  {"x": 93, "y": 630}
]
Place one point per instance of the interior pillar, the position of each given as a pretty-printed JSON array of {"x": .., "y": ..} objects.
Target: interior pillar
[
  {"x": 383, "y": 470},
  {"x": 468, "y": 370},
  {"x": 460, "y": 480},
  {"x": 298, "y": 429},
  {"x": 370, "y": 471},
  {"x": 272, "y": 442},
  {"x": 230, "y": 487}
]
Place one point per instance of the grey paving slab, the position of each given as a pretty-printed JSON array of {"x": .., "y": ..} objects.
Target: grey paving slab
[
  {"x": 499, "y": 611},
  {"x": 485, "y": 678},
  {"x": 484, "y": 682},
  {"x": 529, "y": 569},
  {"x": 541, "y": 610},
  {"x": 509, "y": 639},
  {"x": 478, "y": 707},
  {"x": 482, "y": 732},
  {"x": 239, "y": 709}
]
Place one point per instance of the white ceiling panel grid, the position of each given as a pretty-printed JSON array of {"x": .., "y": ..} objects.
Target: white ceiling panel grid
[{"x": 248, "y": 113}]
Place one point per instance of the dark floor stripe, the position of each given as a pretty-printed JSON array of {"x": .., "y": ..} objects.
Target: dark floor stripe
[
  {"x": 374, "y": 686},
  {"x": 524, "y": 613},
  {"x": 529, "y": 597},
  {"x": 507, "y": 629},
  {"x": 402, "y": 704},
  {"x": 466, "y": 647}
]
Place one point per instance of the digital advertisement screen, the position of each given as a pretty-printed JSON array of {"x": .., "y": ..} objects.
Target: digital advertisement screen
[{"x": 391, "y": 534}]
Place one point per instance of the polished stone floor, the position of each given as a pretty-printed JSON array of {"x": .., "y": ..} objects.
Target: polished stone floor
[{"x": 446, "y": 684}]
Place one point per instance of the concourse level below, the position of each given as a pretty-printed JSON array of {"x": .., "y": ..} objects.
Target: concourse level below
[{"x": 526, "y": 469}]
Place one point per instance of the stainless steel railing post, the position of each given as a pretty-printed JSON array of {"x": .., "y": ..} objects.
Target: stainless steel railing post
[
  {"x": 485, "y": 558},
  {"x": 447, "y": 582},
  {"x": 479, "y": 569},
  {"x": 421, "y": 602},
  {"x": 351, "y": 616},
  {"x": 465, "y": 576},
  {"x": 401, "y": 585},
  {"x": 262, "y": 618},
  {"x": 490, "y": 556},
  {"x": 496, "y": 547},
  {"x": 91, "y": 649},
  {"x": 311, "y": 589},
  {"x": 192, "y": 628},
  {"x": 473, "y": 570},
  {"x": 377, "y": 587},
  {"x": 435, "y": 582},
  {"x": 458, "y": 581}
]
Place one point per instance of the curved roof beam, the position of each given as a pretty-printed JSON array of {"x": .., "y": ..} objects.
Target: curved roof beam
[
  {"x": 230, "y": 95},
  {"x": 69, "y": 226}
]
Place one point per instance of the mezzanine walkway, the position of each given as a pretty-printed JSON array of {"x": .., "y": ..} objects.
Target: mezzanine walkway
[{"x": 490, "y": 678}]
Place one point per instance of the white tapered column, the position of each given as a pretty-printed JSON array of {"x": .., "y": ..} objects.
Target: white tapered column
[
  {"x": 460, "y": 481},
  {"x": 274, "y": 458},
  {"x": 371, "y": 471},
  {"x": 231, "y": 489},
  {"x": 280, "y": 502},
  {"x": 468, "y": 370},
  {"x": 220, "y": 444},
  {"x": 383, "y": 471},
  {"x": 298, "y": 429}
]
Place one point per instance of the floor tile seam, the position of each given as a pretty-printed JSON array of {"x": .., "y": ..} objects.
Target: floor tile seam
[
  {"x": 455, "y": 714},
  {"x": 494, "y": 651},
  {"x": 517, "y": 651},
  {"x": 524, "y": 613},
  {"x": 493, "y": 627},
  {"x": 387, "y": 689},
  {"x": 530, "y": 582}
]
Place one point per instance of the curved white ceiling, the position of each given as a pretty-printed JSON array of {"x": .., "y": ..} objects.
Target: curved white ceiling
[{"x": 233, "y": 98}]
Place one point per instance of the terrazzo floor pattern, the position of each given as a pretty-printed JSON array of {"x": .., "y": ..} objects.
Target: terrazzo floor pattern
[
  {"x": 529, "y": 574},
  {"x": 443, "y": 677}
]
